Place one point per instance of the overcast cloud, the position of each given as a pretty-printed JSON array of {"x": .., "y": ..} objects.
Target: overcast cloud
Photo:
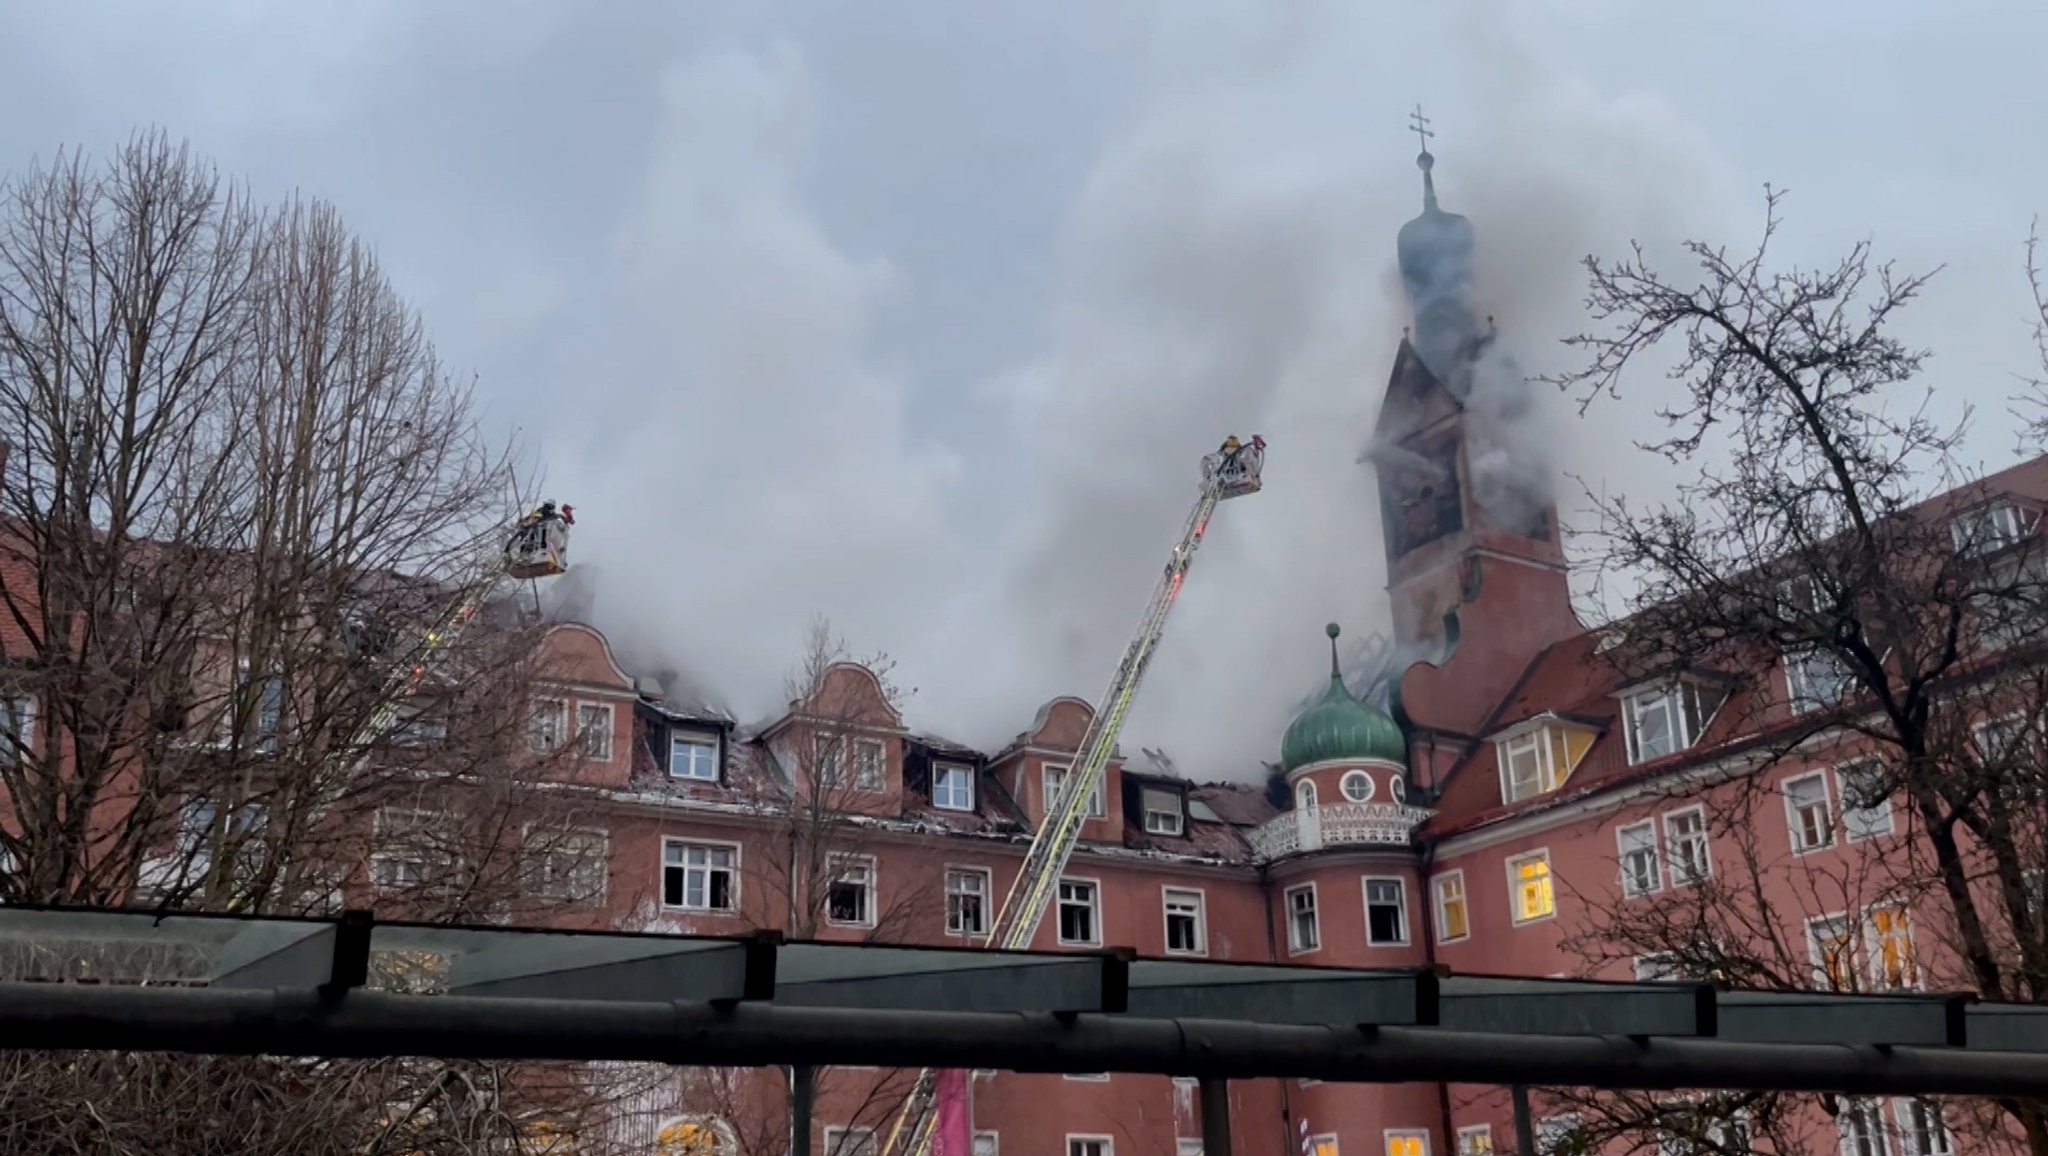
[{"x": 920, "y": 315}]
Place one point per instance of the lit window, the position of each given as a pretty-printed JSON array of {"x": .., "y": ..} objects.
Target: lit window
[
  {"x": 850, "y": 893},
  {"x": 1832, "y": 941},
  {"x": 700, "y": 1136},
  {"x": 1862, "y": 1128},
  {"x": 1529, "y": 877},
  {"x": 1641, "y": 873},
  {"x": 1162, "y": 811},
  {"x": 1817, "y": 679},
  {"x": 693, "y": 757},
  {"x": 1386, "y": 912},
  {"x": 1357, "y": 786},
  {"x": 966, "y": 901},
  {"x": 1476, "y": 1140},
  {"x": 1922, "y": 1131},
  {"x": 1056, "y": 777},
  {"x": 1078, "y": 924},
  {"x": 1185, "y": 934},
  {"x": 953, "y": 787},
  {"x": 594, "y": 730},
  {"x": 1304, "y": 934},
  {"x": 550, "y": 720},
  {"x": 1685, "y": 839},
  {"x": 1807, "y": 813},
  {"x": 1323, "y": 1146},
  {"x": 699, "y": 876},
  {"x": 1407, "y": 1144},
  {"x": 1866, "y": 804},
  {"x": 1891, "y": 948},
  {"x": 1452, "y": 924},
  {"x": 1662, "y": 720}
]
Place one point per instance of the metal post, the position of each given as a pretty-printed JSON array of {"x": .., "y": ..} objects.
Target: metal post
[
  {"x": 1215, "y": 1117},
  {"x": 1525, "y": 1129},
  {"x": 803, "y": 1092}
]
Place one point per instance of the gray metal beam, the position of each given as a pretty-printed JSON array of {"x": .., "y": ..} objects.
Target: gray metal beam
[
  {"x": 1283, "y": 995},
  {"x": 378, "y": 1024},
  {"x": 267, "y": 955},
  {"x": 1769, "y": 1017},
  {"x": 814, "y": 975},
  {"x": 1572, "y": 1008},
  {"x": 2007, "y": 1027}
]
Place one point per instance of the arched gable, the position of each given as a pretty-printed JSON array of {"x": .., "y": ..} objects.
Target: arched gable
[
  {"x": 575, "y": 652},
  {"x": 1061, "y": 724}
]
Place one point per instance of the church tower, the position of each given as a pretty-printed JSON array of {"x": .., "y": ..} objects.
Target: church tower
[{"x": 1475, "y": 565}]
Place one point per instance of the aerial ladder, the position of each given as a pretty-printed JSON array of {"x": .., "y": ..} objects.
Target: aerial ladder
[{"x": 1231, "y": 472}]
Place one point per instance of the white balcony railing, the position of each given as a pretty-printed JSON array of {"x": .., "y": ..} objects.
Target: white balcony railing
[{"x": 1338, "y": 825}]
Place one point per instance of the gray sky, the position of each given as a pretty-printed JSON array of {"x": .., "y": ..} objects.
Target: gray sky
[{"x": 919, "y": 315}]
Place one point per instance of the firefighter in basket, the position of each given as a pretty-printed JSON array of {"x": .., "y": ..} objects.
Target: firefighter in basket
[
  {"x": 1235, "y": 466},
  {"x": 540, "y": 542}
]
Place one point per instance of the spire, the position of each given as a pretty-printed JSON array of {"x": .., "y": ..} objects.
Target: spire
[
  {"x": 1336, "y": 672},
  {"x": 1420, "y": 124}
]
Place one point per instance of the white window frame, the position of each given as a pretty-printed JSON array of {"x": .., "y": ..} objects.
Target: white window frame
[
  {"x": 867, "y": 1145},
  {"x": 1315, "y": 919},
  {"x": 1634, "y": 884},
  {"x": 995, "y": 1142},
  {"x": 1108, "y": 1144},
  {"x": 940, "y": 773},
  {"x": 610, "y": 715},
  {"x": 1803, "y": 671},
  {"x": 1795, "y": 829},
  {"x": 1187, "y": 1146},
  {"x": 1465, "y": 1134},
  {"x": 1874, "y": 949},
  {"x": 1054, "y": 775},
  {"x": 549, "y": 859},
  {"x": 1535, "y": 743},
  {"x": 1088, "y": 1077},
  {"x": 956, "y": 871},
  {"x": 1316, "y": 1142},
  {"x": 1862, "y": 824},
  {"x": 837, "y": 871},
  {"x": 695, "y": 740},
  {"x": 871, "y": 775},
  {"x": 559, "y": 707},
  {"x": 1388, "y": 1137},
  {"x": 1436, "y": 893},
  {"x": 1362, "y": 796},
  {"x": 1685, "y": 710},
  {"x": 1515, "y": 886},
  {"x": 1673, "y": 841},
  {"x": 1823, "y": 929},
  {"x": 732, "y": 885},
  {"x": 1365, "y": 883},
  {"x": 1867, "y": 1111},
  {"x": 2006, "y": 522},
  {"x": 1657, "y": 967},
  {"x": 1177, "y": 824},
  {"x": 1944, "y": 1138},
  {"x": 1199, "y": 899},
  {"x": 1094, "y": 910}
]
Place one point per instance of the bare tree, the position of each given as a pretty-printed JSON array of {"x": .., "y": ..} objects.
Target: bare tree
[
  {"x": 248, "y": 535},
  {"x": 1827, "y": 609}
]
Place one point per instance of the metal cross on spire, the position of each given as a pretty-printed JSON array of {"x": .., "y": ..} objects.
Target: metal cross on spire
[{"x": 1420, "y": 125}]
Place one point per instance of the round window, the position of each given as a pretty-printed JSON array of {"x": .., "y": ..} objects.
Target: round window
[
  {"x": 1398, "y": 788},
  {"x": 1357, "y": 786}
]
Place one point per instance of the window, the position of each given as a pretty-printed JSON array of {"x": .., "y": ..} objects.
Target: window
[
  {"x": 1866, "y": 805},
  {"x": 1685, "y": 839},
  {"x": 594, "y": 730},
  {"x": 1304, "y": 795},
  {"x": 409, "y": 853},
  {"x": 417, "y": 724},
  {"x": 692, "y": 756},
  {"x": 1806, "y": 812},
  {"x": 1077, "y": 912},
  {"x": 1530, "y": 887},
  {"x": 1556, "y": 1134},
  {"x": 967, "y": 891},
  {"x": 550, "y": 720},
  {"x": 569, "y": 866},
  {"x": 1476, "y": 1140},
  {"x": 1089, "y": 1077},
  {"x": 987, "y": 1144},
  {"x": 851, "y": 1142},
  {"x": 1817, "y": 679},
  {"x": 1988, "y": 528},
  {"x": 1641, "y": 874},
  {"x": 1386, "y": 912},
  {"x": 1162, "y": 810},
  {"x": 1862, "y": 1128},
  {"x": 1452, "y": 923},
  {"x": 1357, "y": 786},
  {"x": 828, "y": 752},
  {"x": 1921, "y": 1129},
  {"x": 850, "y": 893},
  {"x": 1407, "y": 1144},
  {"x": 17, "y": 728},
  {"x": 1658, "y": 967},
  {"x": 1323, "y": 1145},
  {"x": 1832, "y": 941},
  {"x": 1662, "y": 720},
  {"x": 1303, "y": 933},
  {"x": 699, "y": 876},
  {"x": 1397, "y": 787},
  {"x": 1187, "y": 1147},
  {"x": 953, "y": 787},
  {"x": 1524, "y": 766},
  {"x": 1185, "y": 930},
  {"x": 1090, "y": 1146},
  {"x": 868, "y": 757},
  {"x": 1056, "y": 777},
  {"x": 1892, "y": 966}
]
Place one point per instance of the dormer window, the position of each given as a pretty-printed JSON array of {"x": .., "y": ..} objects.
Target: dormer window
[
  {"x": 1056, "y": 777},
  {"x": 693, "y": 757},
  {"x": 1162, "y": 811},
  {"x": 952, "y": 787},
  {"x": 1817, "y": 679},
  {"x": 1537, "y": 757},
  {"x": 1664, "y": 720},
  {"x": 1990, "y": 527}
]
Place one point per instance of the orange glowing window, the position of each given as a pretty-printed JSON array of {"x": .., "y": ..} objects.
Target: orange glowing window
[
  {"x": 1891, "y": 933},
  {"x": 1834, "y": 957},
  {"x": 1533, "y": 897},
  {"x": 1407, "y": 1144}
]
